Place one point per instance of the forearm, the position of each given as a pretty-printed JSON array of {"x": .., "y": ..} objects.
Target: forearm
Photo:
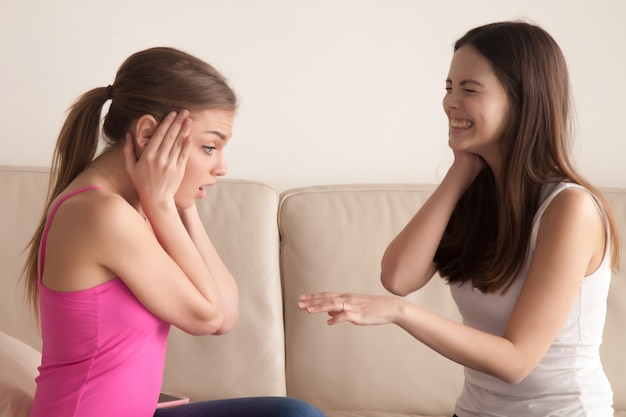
[
  {"x": 475, "y": 349},
  {"x": 224, "y": 280},
  {"x": 177, "y": 242},
  {"x": 407, "y": 263},
  {"x": 493, "y": 355}
]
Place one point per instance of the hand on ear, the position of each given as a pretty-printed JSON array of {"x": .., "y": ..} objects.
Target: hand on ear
[{"x": 155, "y": 154}]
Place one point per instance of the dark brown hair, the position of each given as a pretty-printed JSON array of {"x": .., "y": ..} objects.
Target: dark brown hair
[
  {"x": 488, "y": 235},
  {"x": 152, "y": 82}
]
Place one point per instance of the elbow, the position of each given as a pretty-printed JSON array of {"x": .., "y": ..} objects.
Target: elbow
[
  {"x": 220, "y": 322},
  {"x": 512, "y": 362},
  {"x": 389, "y": 278},
  {"x": 514, "y": 379},
  {"x": 400, "y": 284},
  {"x": 391, "y": 284},
  {"x": 516, "y": 373},
  {"x": 230, "y": 308},
  {"x": 230, "y": 320},
  {"x": 205, "y": 324},
  {"x": 400, "y": 279}
]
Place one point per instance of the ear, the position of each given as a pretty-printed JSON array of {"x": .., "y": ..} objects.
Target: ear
[{"x": 143, "y": 131}]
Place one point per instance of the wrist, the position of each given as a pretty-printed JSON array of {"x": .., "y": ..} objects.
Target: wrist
[
  {"x": 400, "y": 310},
  {"x": 457, "y": 180},
  {"x": 156, "y": 209}
]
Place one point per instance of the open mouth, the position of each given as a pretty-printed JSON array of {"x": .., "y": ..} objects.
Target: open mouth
[{"x": 460, "y": 123}]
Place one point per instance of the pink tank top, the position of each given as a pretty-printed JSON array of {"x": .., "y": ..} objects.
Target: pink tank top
[{"x": 103, "y": 352}]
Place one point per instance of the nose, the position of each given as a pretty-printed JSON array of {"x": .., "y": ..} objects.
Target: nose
[
  {"x": 450, "y": 101},
  {"x": 220, "y": 169}
]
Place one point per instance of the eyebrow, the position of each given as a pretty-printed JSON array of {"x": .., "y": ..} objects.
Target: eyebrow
[
  {"x": 216, "y": 133},
  {"x": 464, "y": 82}
]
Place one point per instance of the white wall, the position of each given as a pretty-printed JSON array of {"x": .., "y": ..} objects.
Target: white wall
[{"x": 332, "y": 91}]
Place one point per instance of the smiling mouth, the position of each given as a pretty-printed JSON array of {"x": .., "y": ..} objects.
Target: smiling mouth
[{"x": 460, "y": 123}]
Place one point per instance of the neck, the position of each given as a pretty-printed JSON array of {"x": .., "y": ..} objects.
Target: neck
[{"x": 110, "y": 167}]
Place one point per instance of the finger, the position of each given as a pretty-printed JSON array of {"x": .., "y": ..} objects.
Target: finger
[
  {"x": 160, "y": 132},
  {"x": 314, "y": 299},
  {"x": 185, "y": 151},
  {"x": 324, "y": 306},
  {"x": 175, "y": 131},
  {"x": 319, "y": 296},
  {"x": 183, "y": 138}
]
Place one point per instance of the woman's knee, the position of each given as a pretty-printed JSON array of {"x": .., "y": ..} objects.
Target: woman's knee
[{"x": 297, "y": 408}]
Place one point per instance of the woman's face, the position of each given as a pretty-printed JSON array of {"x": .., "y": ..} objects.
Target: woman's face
[
  {"x": 476, "y": 104},
  {"x": 210, "y": 132}
]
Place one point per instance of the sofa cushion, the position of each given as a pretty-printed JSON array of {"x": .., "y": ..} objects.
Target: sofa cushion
[{"x": 18, "y": 369}]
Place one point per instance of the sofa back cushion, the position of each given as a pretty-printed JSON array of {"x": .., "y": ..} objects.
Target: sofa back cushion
[{"x": 240, "y": 217}]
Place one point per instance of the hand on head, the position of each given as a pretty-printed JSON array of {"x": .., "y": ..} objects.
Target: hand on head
[{"x": 158, "y": 167}]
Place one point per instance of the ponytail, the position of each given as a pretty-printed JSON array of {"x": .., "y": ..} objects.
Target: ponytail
[{"x": 76, "y": 147}]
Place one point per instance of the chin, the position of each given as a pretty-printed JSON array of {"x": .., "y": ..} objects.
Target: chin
[
  {"x": 457, "y": 145},
  {"x": 184, "y": 202}
]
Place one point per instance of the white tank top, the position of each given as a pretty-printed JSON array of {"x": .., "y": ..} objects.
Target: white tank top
[{"x": 569, "y": 379}]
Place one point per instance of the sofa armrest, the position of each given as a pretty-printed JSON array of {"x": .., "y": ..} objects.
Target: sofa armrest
[{"x": 18, "y": 369}]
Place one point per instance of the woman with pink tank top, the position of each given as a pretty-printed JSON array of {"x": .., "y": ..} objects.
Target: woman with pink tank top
[
  {"x": 525, "y": 243},
  {"x": 121, "y": 253}
]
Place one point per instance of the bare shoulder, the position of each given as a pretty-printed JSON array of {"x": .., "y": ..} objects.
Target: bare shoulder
[
  {"x": 96, "y": 210},
  {"x": 86, "y": 235},
  {"x": 573, "y": 204},
  {"x": 98, "y": 224},
  {"x": 573, "y": 222}
]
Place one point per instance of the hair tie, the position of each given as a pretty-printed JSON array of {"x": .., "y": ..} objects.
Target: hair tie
[{"x": 109, "y": 92}]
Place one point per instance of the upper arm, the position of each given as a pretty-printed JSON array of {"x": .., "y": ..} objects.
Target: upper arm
[{"x": 570, "y": 245}]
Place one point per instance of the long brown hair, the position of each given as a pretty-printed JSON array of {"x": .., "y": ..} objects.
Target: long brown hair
[
  {"x": 488, "y": 235},
  {"x": 155, "y": 81}
]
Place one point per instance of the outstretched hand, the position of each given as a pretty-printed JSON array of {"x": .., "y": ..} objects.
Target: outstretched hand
[
  {"x": 357, "y": 309},
  {"x": 158, "y": 172}
]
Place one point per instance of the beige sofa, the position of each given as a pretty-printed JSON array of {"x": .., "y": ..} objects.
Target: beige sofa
[{"x": 279, "y": 246}]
